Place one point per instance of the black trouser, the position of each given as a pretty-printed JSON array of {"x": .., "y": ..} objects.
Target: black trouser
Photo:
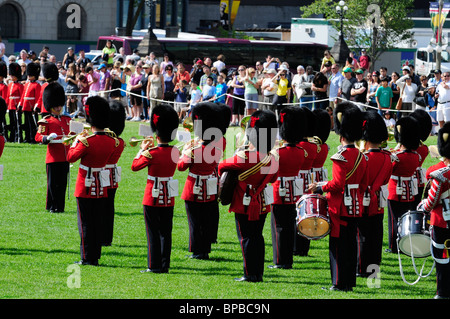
[
  {"x": 13, "y": 127},
  {"x": 250, "y": 235},
  {"x": 29, "y": 127},
  {"x": 395, "y": 211},
  {"x": 158, "y": 225},
  {"x": 283, "y": 234},
  {"x": 56, "y": 186},
  {"x": 440, "y": 235},
  {"x": 201, "y": 220},
  {"x": 215, "y": 217},
  {"x": 301, "y": 244},
  {"x": 343, "y": 254},
  {"x": 370, "y": 242},
  {"x": 3, "y": 110},
  {"x": 90, "y": 212},
  {"x": 108, "y": 218}
]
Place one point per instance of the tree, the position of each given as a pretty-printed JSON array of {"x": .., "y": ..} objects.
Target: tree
[
  {"x": 132, "y": 16},
  {"x": 376, "y": 25}
]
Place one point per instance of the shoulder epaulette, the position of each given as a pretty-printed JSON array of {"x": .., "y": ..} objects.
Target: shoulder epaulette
[
  {"x": 43, "y": 120},
  {"x": 242, "y": 154},
  {"x": 83, "y": 140},
  {"x": 338, "y": 156},
  {"x": 439, "y": 174}
]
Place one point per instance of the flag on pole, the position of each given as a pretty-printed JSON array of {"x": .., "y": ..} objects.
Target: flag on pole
[
  {"x": 225, "y": 12},
  {"x": 438, "y": 19}
]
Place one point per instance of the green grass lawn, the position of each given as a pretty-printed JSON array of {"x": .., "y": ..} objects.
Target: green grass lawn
[{"x": 38, "y": 249}]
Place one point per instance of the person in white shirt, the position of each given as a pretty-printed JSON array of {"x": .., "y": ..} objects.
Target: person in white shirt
[
  {"x": 296, "y": 81},
  {"x": 220, "y": 63},
  {"x": 269, "y": 88},
  {"x": 408, "y": 91},
  {"x": 335, "y": 82},
  {"x": 443, "y": 107}
]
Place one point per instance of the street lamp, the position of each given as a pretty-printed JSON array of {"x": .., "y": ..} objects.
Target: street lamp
[
  {"x": 441, "y": 44},
  {"x": 151, "y": 5},
  {"x": 341, "y": 9},
  {"x": 340, "y": 49}
]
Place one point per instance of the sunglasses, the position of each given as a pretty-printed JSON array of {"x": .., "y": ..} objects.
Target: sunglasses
[{"x": 241, "y": 70}]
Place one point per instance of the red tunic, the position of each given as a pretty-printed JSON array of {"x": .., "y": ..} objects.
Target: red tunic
[
  {"x": 305, "y": 171},
  {"x": 319, "y": 173},
  {"x": 291, "y": 160},
  {"x": 404, "y": 169},
  {"x": 114, "y": 170},
  {"x": 94, "y": 152},
  {"x": 202, "y": 162},
  {"x": 439, "y": 191},
  {"x": 254, "y": 184},
  {"x": 423, "y": 151},
  {"x": 2, "y": 144},
  {"x": 162, "y": 163},
  {"x": 60, "y": 125},
  {"x": 30, "y": 96},
  {"x": 15, "y": 90},
  {"x": 346, "y": 190},
  {"x": 39, "y": 102},
  {"x": 3, "y": 91},
  {"x": 379, "y": 169}
]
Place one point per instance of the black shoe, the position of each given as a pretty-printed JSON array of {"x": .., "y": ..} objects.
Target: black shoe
[
  {"x": 336, "y": 288},
  {"x": 86, "y": 262},
  {"x": 279, "y": 266},
  {"x": 249, "y": 279},
  {"x": 156, "y": 271},
  {"x": 440, "y": 297}
]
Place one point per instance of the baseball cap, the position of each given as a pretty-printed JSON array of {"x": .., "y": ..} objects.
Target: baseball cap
[
  {"x": 347, "y": 69},
  {"x": 103, "y": 65},
  {"x": 359, "y": 71},
  {"x": 406, "y": 68}
]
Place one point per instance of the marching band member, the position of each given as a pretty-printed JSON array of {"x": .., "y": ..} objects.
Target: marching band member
[
  {"x": 15, "y": 90},
  {"x": 51, "y": 74},
  {"x": 225, "y": 118},
  {"x": 318, "y": 171},
  {"x": 379, "y": 169},
  {"x": 258, "y": 166},
  {"x": 437, "y": 203},
  {"x": 200, "y": 189},
  {"x": 51, "y": 131},
  {"x": 288, "y": 188},
  {"x": 93, "y": 151},
  {"x": 116, "y": 127},
  {"x": 302, "y": 244},
  {"x": 345, "y": 196},
  {"x": 30, "y": 96},
  {"x": 402, "y": 187},
  {"x": 3, "y": 95},
  {"x": 161, "y": 189},
  {"x": 2, "y": 137},
  {"x": 425, "y": 127}
]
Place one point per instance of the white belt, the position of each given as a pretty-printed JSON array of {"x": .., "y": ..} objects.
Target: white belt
[
  {"x": 14, "y": 97},
  {"x": 93, "y": 169},
  {"x": 160, "y": 179},
  {"x": 287, "y": 178},
  {"x": 352, "y": 186},
  {"x": 303, "y": 172},
  {"x": 200, "y": 176},
  {"x": 401, "y": 177},
  {"x": 110, "y": 166},
  {"x": 29, "y": 98}
]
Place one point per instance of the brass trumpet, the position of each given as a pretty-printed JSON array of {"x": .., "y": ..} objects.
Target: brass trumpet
[
  {"x": 69, "y": 139},
  {"x": 188, "y": 124},
  {"x": 134, "y": 141}
]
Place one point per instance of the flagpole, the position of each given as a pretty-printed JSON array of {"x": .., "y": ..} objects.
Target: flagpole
[{"x": 438, "y": 52}]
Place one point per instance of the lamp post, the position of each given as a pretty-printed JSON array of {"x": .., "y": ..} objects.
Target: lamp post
[
  {"x": 440, "y": 44},
  {"x": 340, "y": 49},
  {"x": 151, "y": 5}
]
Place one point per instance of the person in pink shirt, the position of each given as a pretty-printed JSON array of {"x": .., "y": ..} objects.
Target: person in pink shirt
[{"x": 93, "y": 81}]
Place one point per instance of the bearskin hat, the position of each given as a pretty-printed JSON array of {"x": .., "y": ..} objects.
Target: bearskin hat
[
  {"x": 374, "y": 128},
  {"x": 208, "y": 122},
  {"x": 292, "y": 124},
  {"x": 311, "y": 121},
  {"x": 425, "y": 123},
  {"x": 164, "y": 122},
  {"x": 443, "y": 140},
  {"x": 50, "y": 72},
  {"x": 323, "y": 125},
  {"x": 33, "y": 69},
  {"x": 3, "y": 69},
  {"x": 262, "y": 130},
  {"x": 117, "y": 116},
  {"x": 15, "y": 70},
  {"x": 97, "y": 112},
  {"x": 407, "y": 133},
  {"x": 348, "y": 120},
  {"x": 53, "y": 96},
  {"x": 225, "y": 116}
]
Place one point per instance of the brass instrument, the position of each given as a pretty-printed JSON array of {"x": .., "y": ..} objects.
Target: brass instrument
[
  {"x": 240, "y": 138},
  {"x": 134, "y": 141},
  {"x": 188, "y": 124},
  {"x": 67, "y": 140}
]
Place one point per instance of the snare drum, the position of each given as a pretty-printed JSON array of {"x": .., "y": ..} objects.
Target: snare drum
[
  {"x": 413, "y": 234},
  {"x": 312, "y": 219}
]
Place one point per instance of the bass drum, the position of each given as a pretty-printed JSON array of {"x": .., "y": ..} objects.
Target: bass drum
[
  {"x": 413, "y": 234},
  {"x": 312, "y": 219}
]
